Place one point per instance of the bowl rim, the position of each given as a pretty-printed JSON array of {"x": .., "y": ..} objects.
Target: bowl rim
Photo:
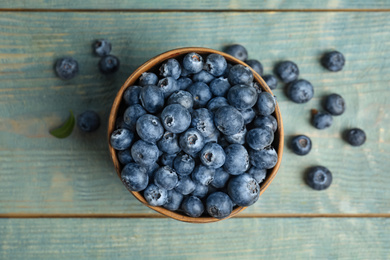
[{"x": 152, "y": 63}]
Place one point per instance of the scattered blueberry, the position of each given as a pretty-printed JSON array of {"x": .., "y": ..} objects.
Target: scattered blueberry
[
  {"x": 228, "y": 120},
  {"x": 319, "y": 178},
  {"x": 134, "y": 177},
  {"x": 144, "y": 153},
  {"x": 67, "y": 68},
  {"x": 193, "y": 206},
  {"x": 170, "y": 68},
  {"x": 219, "y": 205},
  {"x": 237, "y": 159},
  {"x": 102, "y": 47},
  {"x": 265, "y": 104},
  {"x": 203, "y": 174},
  {"x": 220, "y": 178},
  {"x": 131, "y": 115},
  {"x": 322, "y": 120},
  {"x": 203, "y": 121},
  {"x": 219, "y": 86},
  {"x": 355, "y": 136},
  {"x": 263, "y": 159},
  {"x": 152, "y": 98},
  {"x": 155, "y": 195},
  {"x": 301, "y": 144},
  {"x": 88, "y": 121},
  {"x": 243, "y": 190},
  {"x": 201, "y": 94},
  {"x": 121, "y": 139},
  {"x": 333, "y": 61},
  {"x": 184, "y": 164},
  {"x": 149, "y": 128},
  {"x": 237, "y": 51},
  {"x": 271, "y": 81},
  {"x": 259, "y": 138},
  {"x": 242, "y": 97},
  {"x": 300, "y": 91},
  {"x": 335, "y": 104},
  {"x": 257, "y": 173},
  {"x": 240, "y": 74},
  {"x": 165, "y": 178},
  {"x": 287, "y": 71},
  {"x": 109, "y": 64},
  {"x": 212, "y": 155},
  {"x": 131, "y": 95},
  {"x": 256, "y": 66},
  {"x": 185, "y": 185},
  {"x": 215, "y": 64},
  {"x": 193, "y": 62},
  {"x": 174, "y": 200},
  {"x": 148, "y": 78}
]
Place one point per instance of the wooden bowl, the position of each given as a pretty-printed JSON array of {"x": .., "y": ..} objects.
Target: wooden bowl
[{"x": 153, "y": 65}]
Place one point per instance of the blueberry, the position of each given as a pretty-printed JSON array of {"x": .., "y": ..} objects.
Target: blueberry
[
  {"x": 191, "y": 141},
  {"x": 228, "y": 120},
  {"x": 333, "y": 61},
  {"x": 200, "y": 190},
  {"x": 185, "y": 185},
  {"x": 102, "y": 47},
  {"x": 175, "y": 118},
  {"x": 335, "y": 104},
  {"x": 287, "y": 71},
  {"x": 88, "y": 121},
  {"x": 238, "y": 138},
  {"x": 202, "y": 120},
  {"x": 256, "y": 66},
  {"x": 184, "y": 72},
  {"x": 220, "y": 178},
  {"x": 144, "y": 153},
  {"x": 131, "y": 95},
  {"x": 248, "y": 115},
  {"x": 166, "y": 178},
  {"x": 183, "y": 83},
  {"x": 237, "y": 51},
  {"x": 134, "y": 177},
  {"x": 266, "y": 121},
  {"x": 121, "y": 139},
  {"x": 148, "y": 78},
  {"x": 219, "y": 86},
  {"x": 170, "y": 68},
  {"x": 201, "y": 94},
  {"x": 166, "y": 159},
  {"x": 227, "y": 70},
  {"x": 216, "y": 103},
  {"x": 203, "y": 76},
  {"x": 219, "y": 205},
  {"x": 263, "y": 159},
  {"x": 152, "y": 98},
  {"x": 271, "y": 81},
  {"x": 169, "y": 143},
  {"x": 192, "y": 206},
  {"x": 259, "y": 138},
  {"x": 213, "y": 138},
  {"x": 243, "y": 190},
  {"x": 322, "y": 120},
  {"x": 184, "y": 164},
  {"x": 131, "y": 115},
  {"x": 240, "y": 74},
  {"x": 155, "y": 195},
  {"x": 257, "y": 173},
  {"x": 318, "y": 178},
  {"x": 300, "y": 91},
  {"x": 301, "y": 144},
  {"x": 174, "y": 200},
  {"x": 149, "y": 128},
  {"x": 67, "y": 68},
  {"x": 237, "y": 159},
  {"x": 168, "y": 85},
  {"x": 203, "y": 174},
  {"x": 124, "y": 156},
  {"x": 215, "y": 64},
  {"x": 355, "y": 136},
  {"x": 109, "y": 64},
  {"x": 181, "y": 97},
  {"x": 265, "y": 104},
  {"x": 242, "y": 96},
  {"x": 193, "y": 62},
  {"x": 212, "y": 155}
]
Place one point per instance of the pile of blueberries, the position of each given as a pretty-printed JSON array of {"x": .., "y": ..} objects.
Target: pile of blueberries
[{"x": 197, "y": 136}]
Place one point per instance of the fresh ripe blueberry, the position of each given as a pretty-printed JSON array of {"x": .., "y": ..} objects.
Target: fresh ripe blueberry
[
  {"x": 238, "y": 138},
  {"x": 237, "y": 159},
  {"x": 193, "y": 62},
  {"x": 166, "y": 159},
  {"x": 184, "y": 72},
  {"x": 256, "y": 66},
  {"x": 144, "y": 153},
  {"x": 271, "y": 81},
  {"x": 151, "y": 169},
  {"x": 109, "y": 64},
  {"x": 322, "y": 120},
  {"x": 266, "y": 121},
  {"x": 201, "y": 94},
  {"x": 257, "y": 173},
  {"x": 121, "y": 139},
  {"x": 149, "y": 128},
  {"x": 319, "y": 178},
  {"x": 248, "y": 115},
  {"x": 155, "y": 196},
  {"x": 219, "y": 87},
  {"x": 124, "y": 156},
  {"x": 227, "y": 70},
  {"x": 131, "y": 115},
  {"x": 131, "y": 95},
  {"x": 355, "y": 136},
  {"x": 240, "y": 74},
  {"x": 215, "y": 64},
  {"x": 265, "y": 104},
  {"x": 228, "y": 120},
  {"x": 219, "y": 205},
  {"x": 168, "y": 85},
  {"x": 176, "y": 118},
  {"x": 184, "y": 164},
  {"x": 203, "y": 76},
  {"x": 203, "y": 174},
  {"x": 212, "y": 155},
  {"x": 333, "y": 61},
  {"x": 193, "y": 206},
  {"x": 170, "y": 68},
  {"x": 259, "y": 138},
  {"x": 301, "y": 144},
  {"x": 134, "y": 177},
  {"x": 165, "y": 178},
  {"x": 213, "y": 138},
  {"x": 335, "y": 104},
  {"x": 220, "y": 178},
  {"x": 148, "y": 78},
  {"x": 152, "y": 98},
  {"x": 237, "y": 51},
  {"x": 191, "y": 141},
  {"x": 287, "y": 71},
  {"x": 67, "y": 68},
  {"x": 88, "y": 121},
  {"x": 200, "y": 190},
  {"x": 184, "y": 82},
  {"x": 263, "y": 159},
  {"x": 300, "y": 91},
  {"x": 169, "y": 143},
  {"x": 242, "y": 96},
  {"x": 216, "y": 103},
  {"x": 102, "y": 47},
  {"x": 202, "y": 120},
  {"x": 174, "y": 200},
  {"x": 181, "y": 97},
  {"x": 243, "y": 190},
  {"x": 185, "y": 185}
]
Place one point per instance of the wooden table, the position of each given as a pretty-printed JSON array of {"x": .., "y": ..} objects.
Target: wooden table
[{"x": 61, "y": 198}]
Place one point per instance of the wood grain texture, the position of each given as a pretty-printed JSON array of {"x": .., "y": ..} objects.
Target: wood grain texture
[
  {"x": 41, "y": 174},
  {"x": 169, "y": 239}
]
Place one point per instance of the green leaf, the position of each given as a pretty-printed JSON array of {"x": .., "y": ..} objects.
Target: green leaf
[{"x": 66, "y": 129}]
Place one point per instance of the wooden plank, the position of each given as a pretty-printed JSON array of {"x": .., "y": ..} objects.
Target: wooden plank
[
  {"x": 41, "y": 174},
  {"x": 169, "y": 239}
]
